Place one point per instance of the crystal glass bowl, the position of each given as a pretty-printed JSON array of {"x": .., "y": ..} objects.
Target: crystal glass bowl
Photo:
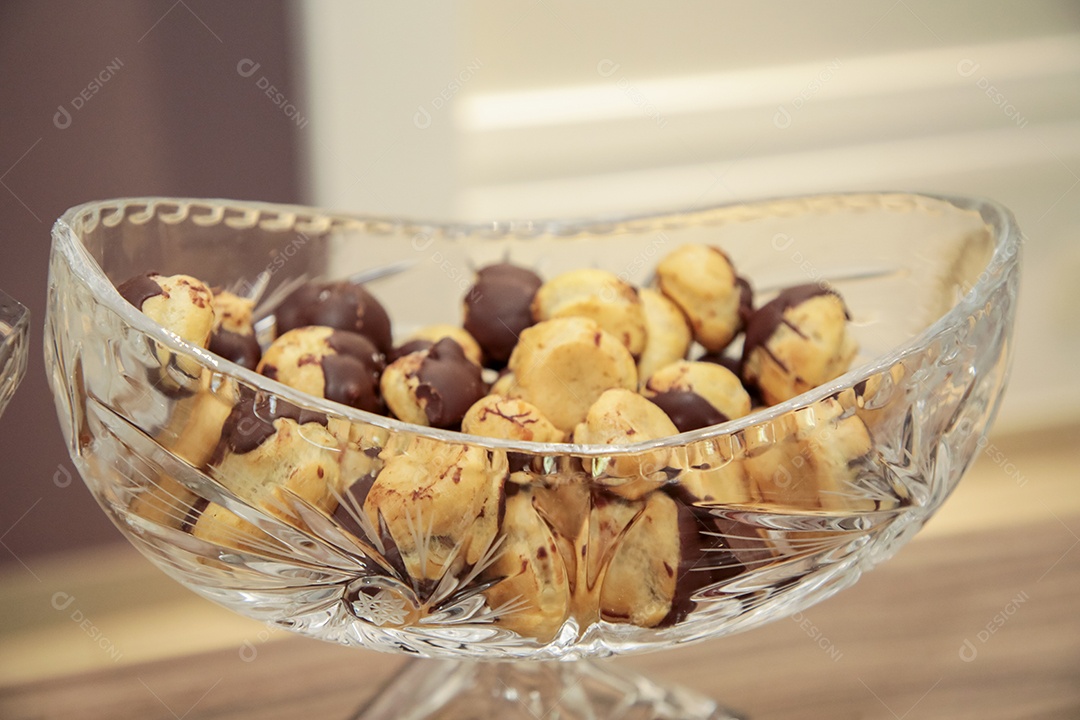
[
  {"x": 14, "y": 330},
  {"x": 527, "y": 551}
]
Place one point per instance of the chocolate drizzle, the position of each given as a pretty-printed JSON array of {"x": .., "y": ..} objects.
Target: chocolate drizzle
[
  {"x": 251, "y": 422},
  {"x": 769, "y": 316},
  {"x": 241, "y": 349},
  {"x": 340, "y": 305},
  {"x": 139, "y": 289},
  {"x": 449, "y": 384},
  {"x": 497, "y": 308},
  {"x": 688, "y": 410}
]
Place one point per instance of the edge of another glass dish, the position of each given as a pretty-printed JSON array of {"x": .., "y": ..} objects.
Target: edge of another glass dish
[{"x": 16, "y": 317}]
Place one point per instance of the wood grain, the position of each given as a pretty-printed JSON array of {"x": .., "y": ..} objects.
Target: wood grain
[{"x": 890, "y": 647}]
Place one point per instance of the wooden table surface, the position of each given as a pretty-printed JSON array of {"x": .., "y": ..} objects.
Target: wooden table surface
[{"x": 979, "y": 617}]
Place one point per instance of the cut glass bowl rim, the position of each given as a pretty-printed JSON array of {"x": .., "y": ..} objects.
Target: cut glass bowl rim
[{"x": 1006, "y": 254}]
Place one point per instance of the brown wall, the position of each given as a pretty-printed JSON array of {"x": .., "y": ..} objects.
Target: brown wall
[{"x": 172, "y": 117}]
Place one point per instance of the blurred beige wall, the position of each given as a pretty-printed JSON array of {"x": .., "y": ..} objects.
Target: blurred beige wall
[{"x": 555, "y": 108}]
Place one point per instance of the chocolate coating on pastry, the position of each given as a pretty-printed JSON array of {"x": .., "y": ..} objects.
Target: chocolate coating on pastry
[
  {"x": 198, "y": 506},
  {"x": 407, "y": 348},
  {"x": 428, "y": 335},
  {"x": 251, "y": 422},
  {"x": 697, "y": 394},
  {"x": 714, "y": 548},
  {"x": 335, "y": 364},
  {"x": 241, "y": 349},
  {"x": 699, "y": 563},
  {"x": 233, "y": 337},
  {"x": 349, "y": 382},
  {"x": 449, "y": 384},
  {"x": 796, "y": 342},
  {"x": 359, "y": 347},
  {"x": 763, "y": 323},
  {"x": 731, "y": 363},
  {"x": 688, "y": 410},
  {"x": 183, "y": 305},
  {"x": 498, "y": 308},
  {"x": 353, "y": 507},
  {"x": 139, "y": 289},
  {"x": 342, "y": 305},
  {"x": 746, "y": 299},
  {"x": 297, "y": 308},
  {"x": 355, "y": 496},
  {"x": 667, "y": 552}
]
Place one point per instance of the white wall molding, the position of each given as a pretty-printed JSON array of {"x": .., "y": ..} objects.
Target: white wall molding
[
  {"x": 769, "y": 87},
  {"x": 898, "y": 164}
]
